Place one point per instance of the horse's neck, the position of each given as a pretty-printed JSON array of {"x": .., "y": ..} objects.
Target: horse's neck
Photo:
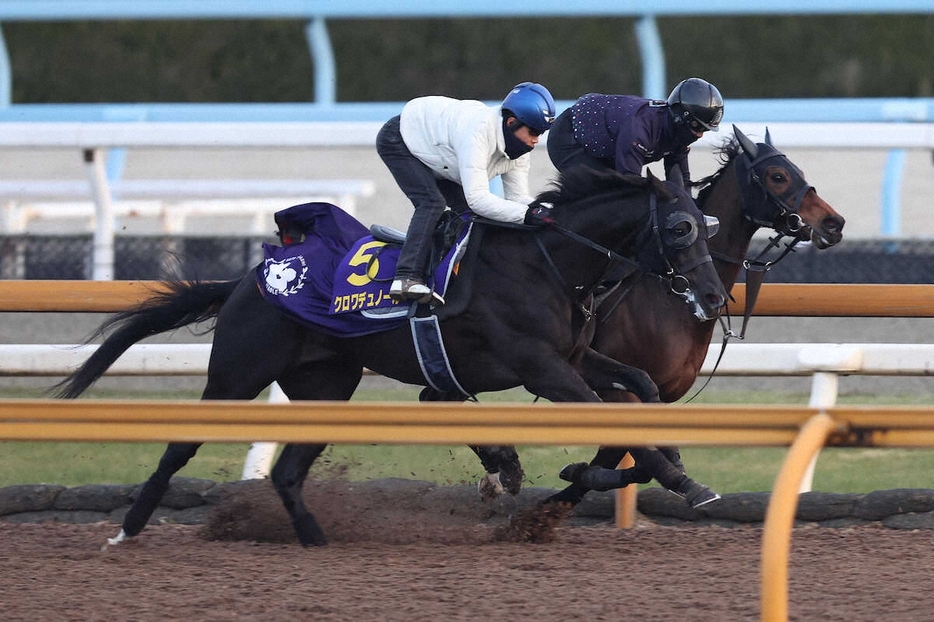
[
  {"x": 735, "y": 235},
  {"x": 616, "y": 227}
]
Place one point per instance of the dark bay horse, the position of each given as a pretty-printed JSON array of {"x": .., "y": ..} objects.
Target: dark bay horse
[
  {"x": 757, "y": 186},
  {"x": 526, "y": 323}
]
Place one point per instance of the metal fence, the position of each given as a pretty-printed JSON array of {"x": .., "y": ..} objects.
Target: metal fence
[
  {"x": 857, "y": 261},
  {"x": 136, "y": 257},
  {"x": 149, "y": 257}
]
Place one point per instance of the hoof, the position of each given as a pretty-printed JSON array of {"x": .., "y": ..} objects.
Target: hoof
[
  {"x": 696, "y": 495},
  {"x": 309, "y": 533},
  {"x": 703, "y": 497},
  {"x": 573, "y": 472},
  {"x": 490, "y": 487},
  {"x": 319, "y": 540},
  {"x": 510, "y": 476},
  {"x": 120, "y": 537}
]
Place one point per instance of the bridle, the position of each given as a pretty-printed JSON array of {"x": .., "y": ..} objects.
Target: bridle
[
  {"x": 765, "y": 208},
  {"x": 619, "y": 267},
  {"x": 787, "y": 217},
  {"x": 784, "y": 218}
]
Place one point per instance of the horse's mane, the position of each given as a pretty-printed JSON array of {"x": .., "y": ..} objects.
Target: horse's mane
[
  {"x": 726, "y": 153},
  {"x": 581, "y": 182}
]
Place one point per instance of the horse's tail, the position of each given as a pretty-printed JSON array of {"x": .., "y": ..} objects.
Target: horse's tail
[{"x": 174, "y": 305}]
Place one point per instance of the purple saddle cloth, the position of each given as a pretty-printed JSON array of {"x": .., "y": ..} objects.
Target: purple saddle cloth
[{"x": 337, "y": 277}]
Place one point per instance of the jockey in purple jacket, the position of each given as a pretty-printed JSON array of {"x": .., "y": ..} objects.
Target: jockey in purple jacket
[{"x": 624, "y": 132}]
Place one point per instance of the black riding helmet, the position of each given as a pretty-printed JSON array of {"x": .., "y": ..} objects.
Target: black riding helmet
[{"x": 698, "y": 103}]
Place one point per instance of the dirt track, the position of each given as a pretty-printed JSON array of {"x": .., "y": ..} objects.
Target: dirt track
[
  {"x": 57, "y": 572},
  {"x": 403, "y": 564}
]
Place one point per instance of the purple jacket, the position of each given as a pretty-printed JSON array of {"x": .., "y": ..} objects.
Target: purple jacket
[{"x": 630, "y": 131}]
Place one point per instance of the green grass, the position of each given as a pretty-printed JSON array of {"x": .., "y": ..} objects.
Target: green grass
[{"x": 726, "y": 469}]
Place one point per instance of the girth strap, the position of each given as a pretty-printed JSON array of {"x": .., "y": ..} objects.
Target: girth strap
[{"x": 432, "y": 357}]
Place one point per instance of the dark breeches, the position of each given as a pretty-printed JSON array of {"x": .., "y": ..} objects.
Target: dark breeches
[{"x": 429, "y": 196}]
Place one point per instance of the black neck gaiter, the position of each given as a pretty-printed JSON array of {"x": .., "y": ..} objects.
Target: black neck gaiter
[{"x": 514, "y": 146}]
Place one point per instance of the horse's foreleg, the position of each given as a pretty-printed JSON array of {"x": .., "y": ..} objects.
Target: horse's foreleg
[
  {"x": 673, "y": 478},
  {"x": 175, "y": 457},
  {"x": 650, "y": 462},
  {"x": 620, "y": 396},
  {"x": 600, "y": 474},
  {"x": 501, "y": 462},
  {"x": 288, "y": 475},
  {"x": 618, "y": 382},
  {"x": 503, "y": 470},
  {"x": 605, "y": 375}
]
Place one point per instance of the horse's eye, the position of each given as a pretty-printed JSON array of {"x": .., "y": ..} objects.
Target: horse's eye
[
  {"x": 681, "y": 229},
  {"x": 778, "y": 178}
]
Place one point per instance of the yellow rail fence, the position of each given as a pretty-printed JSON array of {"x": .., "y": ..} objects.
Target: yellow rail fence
[
  {"x": 804, "y": 429},
  {"x": 777, "y": 299}
]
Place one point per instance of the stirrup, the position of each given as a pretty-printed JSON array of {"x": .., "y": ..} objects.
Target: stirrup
[{"x": 408, "y": 288}]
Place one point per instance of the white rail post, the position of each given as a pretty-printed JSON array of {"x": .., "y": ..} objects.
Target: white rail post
[
  {"x": 259, "y": 458},
  {"x": 827, "y": 361},
  {"x": 824, "y": 388},
  {"x": 103, "y": 253}
]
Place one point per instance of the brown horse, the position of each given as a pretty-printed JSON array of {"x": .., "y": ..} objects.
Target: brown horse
[{"x": 757, "y": 186}]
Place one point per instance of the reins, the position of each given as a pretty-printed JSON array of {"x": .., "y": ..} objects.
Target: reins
[{"x": 613, "y": 259}]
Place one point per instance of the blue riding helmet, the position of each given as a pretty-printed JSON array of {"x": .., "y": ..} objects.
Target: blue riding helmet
[{"x": 532, "y": 104}]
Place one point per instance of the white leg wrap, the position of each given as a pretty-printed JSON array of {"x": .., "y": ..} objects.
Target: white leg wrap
[{"x": 115, "y": 541}]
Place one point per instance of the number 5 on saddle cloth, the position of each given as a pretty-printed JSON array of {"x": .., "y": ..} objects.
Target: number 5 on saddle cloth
[{"x": 333, "y": 274}]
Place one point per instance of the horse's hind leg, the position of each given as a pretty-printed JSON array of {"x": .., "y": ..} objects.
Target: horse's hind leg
[
  {"x": 288, "y": 476},
  {"x": 175, "y": 457},
  {"x": 331, "y": 379}
]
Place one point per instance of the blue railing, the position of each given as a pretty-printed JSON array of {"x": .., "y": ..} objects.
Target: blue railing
[{"x": 315, "y": 12}]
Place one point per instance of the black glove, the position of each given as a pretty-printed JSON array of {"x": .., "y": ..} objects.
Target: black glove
[{"x": 539, "y": 216}]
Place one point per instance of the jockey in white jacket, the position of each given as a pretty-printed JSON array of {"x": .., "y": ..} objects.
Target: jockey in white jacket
[{"x": 443, "y": 153}]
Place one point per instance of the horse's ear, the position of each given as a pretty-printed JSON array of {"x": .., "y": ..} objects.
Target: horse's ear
[
  {"x": 675, "y": 176},
  {"x": 654, "y": 181},
  {"x": 748, "y": 146},
  {"x": 768, "y": 138},
  {"x": 663, "y": 191}
]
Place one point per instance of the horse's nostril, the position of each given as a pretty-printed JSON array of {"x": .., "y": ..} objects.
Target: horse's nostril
[
  {"x": 833, "y": 225},
  {"x": 716, "y": 300}
]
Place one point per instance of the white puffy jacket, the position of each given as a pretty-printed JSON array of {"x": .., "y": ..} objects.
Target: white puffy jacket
[{"x": 462, "y": 140}]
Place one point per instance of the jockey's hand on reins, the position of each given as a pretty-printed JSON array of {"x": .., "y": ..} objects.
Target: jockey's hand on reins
[{"x": 539, "y": 216}]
